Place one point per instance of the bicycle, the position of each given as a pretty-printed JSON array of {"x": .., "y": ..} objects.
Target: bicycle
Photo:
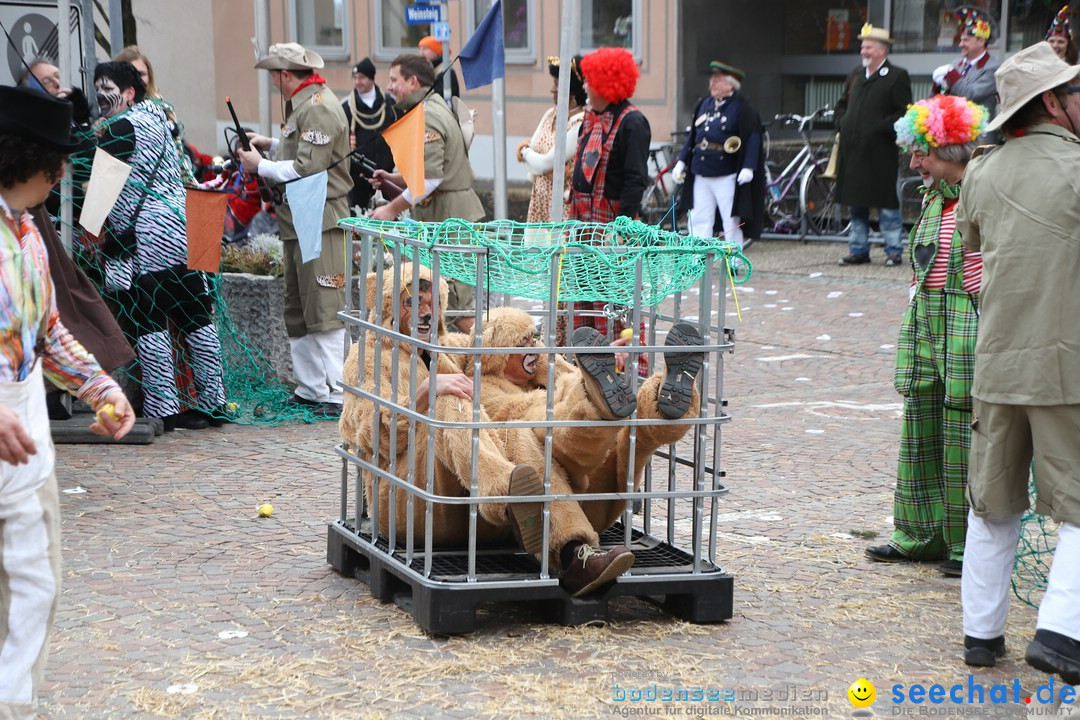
[
  {"x": 662, "y": 195},
  {"x": 813, "y": 207}
]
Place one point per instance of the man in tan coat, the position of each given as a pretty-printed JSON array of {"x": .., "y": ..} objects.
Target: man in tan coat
[
  {"x": 1020, "y": 206},
  {"x": 314, "y": 138},
  {"x": 508, "y": 458},
  {"x": 448, "y": 176}
]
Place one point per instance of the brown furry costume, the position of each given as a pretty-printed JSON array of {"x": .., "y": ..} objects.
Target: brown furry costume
[
  {"x": 595, "y": 458},
  {"x": 500, "y": 449}
]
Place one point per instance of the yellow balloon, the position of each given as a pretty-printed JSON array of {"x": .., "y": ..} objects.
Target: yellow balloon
[
  {"x": 266, "y": 510},
  {"x": 862, "y": 693}
]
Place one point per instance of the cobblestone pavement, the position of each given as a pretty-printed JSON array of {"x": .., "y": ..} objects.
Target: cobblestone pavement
[{"x": 179, "y": 601}]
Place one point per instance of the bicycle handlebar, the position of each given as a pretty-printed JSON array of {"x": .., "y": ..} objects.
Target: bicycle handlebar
[{"x": 822, "y": 113}]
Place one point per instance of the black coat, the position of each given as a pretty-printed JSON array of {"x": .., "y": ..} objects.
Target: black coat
[
  {"x": 869, "y": 159},
  {"x": 749, "y": 204},
  {"x": 368, "y": 141}
]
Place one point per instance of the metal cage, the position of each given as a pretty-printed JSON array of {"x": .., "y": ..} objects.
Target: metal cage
[{"x": 670, "y": 523}]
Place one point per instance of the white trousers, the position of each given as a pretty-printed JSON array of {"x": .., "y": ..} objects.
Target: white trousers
[
  {"x": 317, "y": 365},
  {"x": 712, "y": 194},
  {"x": 988, "y": 565}
]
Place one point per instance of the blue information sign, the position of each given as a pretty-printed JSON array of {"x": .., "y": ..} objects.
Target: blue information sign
[{"x": 421, "y": 14}]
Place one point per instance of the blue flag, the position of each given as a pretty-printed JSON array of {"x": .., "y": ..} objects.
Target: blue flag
[
  {"x": 307, "y": 200},
  {"x": 484, "y": 58}
]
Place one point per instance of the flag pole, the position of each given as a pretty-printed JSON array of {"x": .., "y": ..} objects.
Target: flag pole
[
  {"x": 498, "y": 122},
  {"x": 568, "y": 43}
]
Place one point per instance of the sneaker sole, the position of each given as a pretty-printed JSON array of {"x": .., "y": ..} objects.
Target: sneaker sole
[
  {"x": 617, "y": 567},
  {"x": 1050, "y": 661},
  {"x": 680, "y": 372},
  {"x": 603, "y": 384},
  {"x": 528, "y": 516}
]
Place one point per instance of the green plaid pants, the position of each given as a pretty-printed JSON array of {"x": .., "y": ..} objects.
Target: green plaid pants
[{"x": 934, "y": 368}]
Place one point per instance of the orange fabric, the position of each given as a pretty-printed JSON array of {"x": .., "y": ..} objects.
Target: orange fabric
[
  {"x": 406, "y": 140},
  {"x": 205, "y": 226}
]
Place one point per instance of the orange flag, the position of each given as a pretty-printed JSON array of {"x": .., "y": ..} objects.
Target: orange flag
[
  {"x": 205, "y": 226},
  {"x": 406, "y": 140}
]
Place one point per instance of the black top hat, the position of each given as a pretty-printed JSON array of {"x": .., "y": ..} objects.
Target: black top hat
[{"x": 34, "y": 114}]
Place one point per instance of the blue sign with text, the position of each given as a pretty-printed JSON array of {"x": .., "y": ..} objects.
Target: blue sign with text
[{"x": 421, "y": 14}]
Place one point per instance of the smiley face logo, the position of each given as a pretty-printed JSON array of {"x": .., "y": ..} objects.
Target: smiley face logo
[{"x": 862, "y": 693}]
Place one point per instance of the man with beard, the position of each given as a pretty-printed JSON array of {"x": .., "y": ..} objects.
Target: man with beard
[
  {"x": 368, "y": 113},
  {"x": 875, "y": 96}
]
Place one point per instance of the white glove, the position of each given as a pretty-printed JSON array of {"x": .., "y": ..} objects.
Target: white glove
[
  {"x": 678, "y": 173},
  {"x": 939, "y": 74},
  {"x": 745, "y": 176}
]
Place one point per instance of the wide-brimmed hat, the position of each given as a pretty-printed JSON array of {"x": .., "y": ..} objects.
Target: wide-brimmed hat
[
  {"x": 1026, "y": 75},
  {"x": 869, "y": 32},
  {"x": 37, "y": 115},
  {"x": 719, "y": 67},
  {"x": 290, "y": 56}
]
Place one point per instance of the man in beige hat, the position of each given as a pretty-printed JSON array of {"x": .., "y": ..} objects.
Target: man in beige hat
[
  {"x": 1020, "y": 206},
  {"x": 875, "y": 96},
  {"x": 314, "y": 137}
]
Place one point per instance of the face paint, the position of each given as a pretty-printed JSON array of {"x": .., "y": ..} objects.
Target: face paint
[{"x": 110, "y": 99}]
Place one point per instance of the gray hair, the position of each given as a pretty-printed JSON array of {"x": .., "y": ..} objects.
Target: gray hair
[
  {"x": 735, "y": 83},
  {"x": 959, "y": 154}
]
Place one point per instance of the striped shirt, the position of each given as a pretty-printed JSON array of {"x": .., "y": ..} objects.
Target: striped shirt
[
  {"x": 29, "y": 321},
  {"x": 972, "y": 263}
]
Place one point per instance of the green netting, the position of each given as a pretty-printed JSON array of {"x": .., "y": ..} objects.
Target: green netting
[
  {"x": 253, "y": 392},
  {"x": 594, "y": 262},
  {"x": 1038, "y": 538}
]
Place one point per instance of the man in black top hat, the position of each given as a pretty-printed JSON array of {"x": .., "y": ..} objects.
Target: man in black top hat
[
  {"x": 35, "y": 139},
  {"x": 369, "y": 112}
]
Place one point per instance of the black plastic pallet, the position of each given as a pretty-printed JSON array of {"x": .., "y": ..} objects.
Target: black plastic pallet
[{"x": 447, "y": 604}]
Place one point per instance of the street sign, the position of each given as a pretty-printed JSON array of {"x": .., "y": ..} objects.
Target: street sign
[
  {"x": 428, "y": 2},
  {"x": 421, "y": 14},
  {"x": 32, "y": 26},
  {"x": 440, "y": 31}
]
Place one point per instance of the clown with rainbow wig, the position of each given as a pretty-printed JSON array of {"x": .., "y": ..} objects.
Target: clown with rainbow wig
[
  {"x": 972, "y": 75},
  {"x": 935, "y": 358}
]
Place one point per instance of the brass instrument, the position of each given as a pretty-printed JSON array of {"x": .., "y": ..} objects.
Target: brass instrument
[{"x": 732, "y": 144}]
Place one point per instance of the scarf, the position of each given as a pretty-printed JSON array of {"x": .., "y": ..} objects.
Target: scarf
[
  {"x": 924, "y": 237},
  {"x": 312, "y": 79}
]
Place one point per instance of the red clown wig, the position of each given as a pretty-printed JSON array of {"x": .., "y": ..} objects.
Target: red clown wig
[{"x": 611, "y": 73}]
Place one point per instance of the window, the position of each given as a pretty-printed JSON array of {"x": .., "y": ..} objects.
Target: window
[
  {"x": 611, "y": 23},
  {"x": 320, "y": 25},
  {"x": 395, "y": 36},
  {"x": 1028, "y": 23},
  {"x": 920, "y": 26},
  {"x": 518, "y": 18},
  {"x": 823, "y": 27}
]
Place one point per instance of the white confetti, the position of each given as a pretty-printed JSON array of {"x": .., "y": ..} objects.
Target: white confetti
[
  {"x": 786, "y": 309},
  {"x": 824, "y": 337},
  {"x": 77, "y": 490},
  {"x": 814, "y": 431},
  {"x": 231, "y": 634},
  {"x": 842, "y": 536},
  {"x": 887, "y": 346},
  {"x": 772, "y": 292},
  {"x": 184, "y": 689},
  {"x": 803, "y": 379},
  {"x": 816, "y": 274},
  {"x": 855, "y": 314},
  {"x": 746, "y": 289},
  {"x": 782, "y": 358},
  {"x": 768, "y": 347},
  {"x": 834, "y": 294},
  {"x": 770, "y": 305}
]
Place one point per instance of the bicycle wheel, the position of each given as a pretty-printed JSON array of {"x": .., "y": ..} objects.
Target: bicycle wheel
[
  {"x": 824, "y": 214},
  {"x": 782, "y": 208},
  {"x": 653, "y": 205}
]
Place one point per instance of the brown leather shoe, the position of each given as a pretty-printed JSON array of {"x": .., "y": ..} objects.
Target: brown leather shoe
[
  {"x": 527, "y": 516},
  {"x": 593, "y": 568}
]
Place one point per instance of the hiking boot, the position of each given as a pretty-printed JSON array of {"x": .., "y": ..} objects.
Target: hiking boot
[
  {"x": 1056, "y": 654},
  {"x": 606, "y": 389},
  {"x": 854, "y": 260},
  {"x": 984, "y": 653},
  {"x": 680, "y": 371},
  {"x": 527, "y": 516},
  {"x": 593, "y": 568}
]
